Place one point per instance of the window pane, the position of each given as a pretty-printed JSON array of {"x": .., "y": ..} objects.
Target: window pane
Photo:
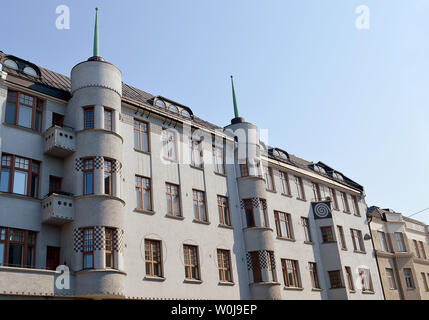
[
  {"x": 88, "y": 261},
  {"x": 4, "y": 180},
  {"x": 34, "y": 188},
  {"x": 10, "y": 113},
  {"x": 88, "y": 183},
  {"x": 1, "y": 254},
  {"x": 15, "y": 255},
  {"x": 20, "y": 182},
  {"x": 147, "y": 204},
  {"x": 30, "y": 256},
  {"x": 136, "y": 140},
  {"x": 25, "y": 114},
  {"x": 38, "y": 121}
]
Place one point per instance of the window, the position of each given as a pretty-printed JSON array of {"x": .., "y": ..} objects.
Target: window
[
  {"x": 391, "y": 279},
  {"x": 263, "y": 212},
  {"x": 425, "y": 282},
  {"x": 109, "y": 247},
  {"x": 192, "y": 269},
  {"x": 366, "y": 279},
  {"x": 88, "y": 248},
  {"x": 342, "y": 238},
  {"x": 422, "y": 247},
  {"x": 345, "y": 202},
  {"x": 24, "y": 110},
  {"x": 160, "y": 103},
  {"x": 409, "y": 278},
  {"x": 285, "y": 183},
  {"x": 17, "y": 247},
  {"x": 334, "y": 200},
  {"x": 314, "y": 275},
  {"x": 256, "y": 257},
  {"x": 244, "y": 169},
  {"x": 30, "y": 71},
  {"x": 224, "y": 214},
  {"x": 57, "y": 119},
  {"x": 355, "y": 206},
  {"x": 269, "y": 182},
  {"x": 224, "y": 265},
  {"x": 316, "y": 192},
  {"x": 400, "y": 243},
  {"x": 335, "y": 279},
  {"x": 108, "y": 184},
  {"x": 143, "y": 191},
  {"x": 199, "y": 205},
  {"x": 307, "y": 230},
  {"x": 186, "y": 113},
  {"x": 290, "y": 273},
  {"x": 88, "y": 118},
  {"x": 153, "y": 258},
  {"x": 11, "y": 64},
  {"x": 195, "y": 153},
  {"x": 54, "y": 184},
  {"x": 173, "y": 200},
  {"x": 357, "y": 240},
  {"x": 327, "y": 234},
  {"x": 283, "y": 224},
  {"x": 52, "y": 257},
  {"x": 218, "y": 163},
  {"x": 416, "y": 247},
  {"x": 108, "y": 114},
  {"x": 250, "y": 216},
  {"x": 384, "y": 246},
  {"x": 169, "y": 144},
  {"x": 88, "y": 176},
  {"x": 300, "y": 188},
  {"x": 173, "y": 108},
  {"x": 350, "y": 278},
  {"x": 19, "y": 175},
  {"x": 141, "y": 135}
]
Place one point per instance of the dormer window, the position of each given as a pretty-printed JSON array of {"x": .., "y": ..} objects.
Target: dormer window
[
  {"x": 30, "y": 71},
  {"x": 11, "y": 64},
  {"x": 319, "y": 169},
  {"x": 186, "y": 113},
  {"x": 338, "y": 176},
  {"x": 160, "y": 103},
  {"x": 173, "y": 108}
]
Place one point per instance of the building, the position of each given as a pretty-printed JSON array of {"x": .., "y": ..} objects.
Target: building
[
  {"x": 141, "y": 199},
  {"x": 401, "y": 246}
]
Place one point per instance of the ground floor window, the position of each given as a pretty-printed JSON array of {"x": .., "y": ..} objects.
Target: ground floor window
[{"x": 17, "y": 247}]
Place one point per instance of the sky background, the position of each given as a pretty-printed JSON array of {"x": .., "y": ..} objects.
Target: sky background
[{"x": 358, "y": 100}]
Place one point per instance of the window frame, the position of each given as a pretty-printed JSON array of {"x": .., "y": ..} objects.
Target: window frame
[
  {"x": 349, "y": 276},
  {"x": 286, "y": 219},
  {"x": 107, "y": 170},
  {"x": 355, "y": 205},
  {"x": 25, "y": 246},
  {"x": 143, "y": 184},
  {"x": 167, "y": 142},
  {"x": 109, "y": 124},
  {"x": 284, "y": 177},
  {"x": 152, "y": 261},
  {"x": 244, "y": 169},
  {"x": 400, "y": 244},
  {"x": 333, "y": 194},
  {"x": 357, "y": 235},
  {"x": 269, "y": 178},
  {"x": 409, "y": 281},
  {"x": 142, "y": 131},
  {"x": 189, "y": 266},
  {"x": 88, "y": 252},
  {"x": 342, "y": 237},
  {"x": 218, "y": 167},
  {"x": 316, "y": 192},
  {"x": 314, "y": 275},
  {"x": 170, "y": 203},
  {"x": 346, "y": 206},
  {"x": 222, "y": 207},
  {"x": 86, "y": 171},
  {"x": 109, "y": 247},
  {"x": 88, "y": 121},
  {"x": 330, "y": 233},
  {"x": 383, "y": 241},
  {"x": 306, "y": 226},
  {"x": 249, "y": 213},
  {"x": 391, "y": 279},
  {"x": 335, "y": 285},
  {"x": 300, "y": 188},
  {"x": 296, "y": 282},
  {"x": 36, "y": 106},
  {"x": 195, "y": 152},
  {"x": 199, "y": 200},
  {"x": 225, "y": 269}
]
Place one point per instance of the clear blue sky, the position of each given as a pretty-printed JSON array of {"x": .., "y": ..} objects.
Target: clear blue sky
[{"x": 357, "y": 100}]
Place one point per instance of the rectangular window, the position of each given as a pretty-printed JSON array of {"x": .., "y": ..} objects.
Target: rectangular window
[
  {"x": 224, "y": 214},
  {"x": 109, "y": 257},
  {"x": 314, "y": 275},
  {"x": 283, "y": 224},
  {"x": 191, "y": 259},
  {"x": 307, "y": 229},
  {"x": 400, "y": 243},
  {"x": 409, "y": 278},
  {"x": 384, "y": 246},
  {"x": 327, "y": 234},
  {"x": 285, "y": 183},
  {"x": 346, "y": 206},
  {"x": 416, "y": 248},
  {"x": 57, "y": 119},
  {"x": 342, "y": 238},
  {"x": 425, "y": 282},
  {"x": 250, "y": 215},
  {"x": 88, "y": 176},
  {"x": 88, "y": 248},
  {"x": 218, "y": 160},
  {"x": 263, "y": 211},
  {"x": 300, "y": 188},
  {"x": 390, "y": 275},
  {"x": 169, "y": 144},
  {"x": 269, "y": 182},
  {"x": 19, "y": 175},
  {"x": 52, "y": 257},
  {"x": 17, "y": 247},
  {"x": 88, "y": 118},
  {"x": 355, "y": 206},
  {"x": 199, "y": 205},
  {"x": 316, "y": 192},
  {"x": 350, "y": 278},
  {"x": 334, "y": 200},
  {"x": 153, "y": 258},
  {"x": 267, "y": 259},
  {"x": 335, "y": 279},
  {"x": 195, "y": 153},
  {"x": 422, "y": 247},
  {"x": 108, "y": 183},
  {"x": 244, "y": 169},
  {"x": 24, "y": 110},
  {"x": 141, "y": 135},
  {"x": 172, "y": 195},
  {"x": 291, "y": 273},
  {"x": 357, "y": 240},
  {"x": 366, "y": 279},
  {"x": 143, "y": 192},
  {"x": 224, "y": 265},
  {"x": 108, "y": 115},
  {"x": 54, "y": 184}
]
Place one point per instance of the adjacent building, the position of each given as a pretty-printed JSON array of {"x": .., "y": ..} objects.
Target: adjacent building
[{"x": 402, "y": 250}]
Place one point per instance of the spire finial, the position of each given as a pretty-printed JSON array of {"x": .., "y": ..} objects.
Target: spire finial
[
  {"x": 96, "y": 52},
  {"x": 234, "y": 99}
]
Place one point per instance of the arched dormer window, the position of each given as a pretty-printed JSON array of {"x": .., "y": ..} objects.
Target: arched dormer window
[
  {"x": 160, "y": 103},
  {"x": 173, "y": 108},
  {"x": 186, "y": 113},
  {"x": 30, "y": 71},
  {"x": 11, "y": 64}
]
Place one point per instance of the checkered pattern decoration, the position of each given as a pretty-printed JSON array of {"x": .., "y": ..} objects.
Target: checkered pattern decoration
[
  {"x": 256, "y": 203},
  {"x": 265, "y": 260},
  {"x": 98, "y": 164},
  {"x": 99, "y": 236},
  {"x": 78, "y": 165}
]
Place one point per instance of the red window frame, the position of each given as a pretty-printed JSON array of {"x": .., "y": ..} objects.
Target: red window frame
[
  {"x": 88, "y": 167},
  {"x": 88, "y": 118},
  {"x": 306, "y": 225},
  {"x": 29, "y": 241},
  {"x": 108, "y": 119},
  {"x": 36, "y": 106},
  {"x": 218, "y": 159},
  {"x": 357, "y": 240},
  {"x": 314, "y": 274},
  {"x": 88, "y": 242},
  {"x": 109, "y": 245},
  {"x": 333, "y": 193},
  {"x": 327, "y": 234},
  {"x": 108, "y": 174},
  {"x": 295, "y": 283},
  {"x": 283, "y": 217},
  {"x": 142, "y": 129},
  {"x": 244, "y": 169},
  {"x": 249, "y": 212},
  {"x": 335, "y": 279},
  {"x": 191, "y": 265},
  {"x": 300, "y": 188},
  {"x": 199, "y": 197},
  {"x": 195, "y": 152},
  {"x": 153, "y": 257},
  {"x": 224, "y": 265},
  {"x": 269, "y": 178},
  {"x": 224, "y": 212},
  {"x": 144, "y": 184},
  {"x": 284, "y": 177},
  {"x": 172, "y": 191}
]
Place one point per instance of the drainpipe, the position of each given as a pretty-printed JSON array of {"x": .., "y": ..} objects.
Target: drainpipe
[{"x": 369, "y": 219}]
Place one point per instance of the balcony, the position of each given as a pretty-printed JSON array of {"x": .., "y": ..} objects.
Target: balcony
[
  {"x": 59, "y": 142},
  {"x": 58, "y": 209}
]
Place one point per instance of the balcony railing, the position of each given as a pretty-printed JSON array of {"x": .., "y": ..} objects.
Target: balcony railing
[
  {"x": 58, "y": 209},
  {"x": 59, "y": 142}
]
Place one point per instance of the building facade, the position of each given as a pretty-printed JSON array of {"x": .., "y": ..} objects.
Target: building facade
[
  {"x": 138, "y": 198},
  {"x": 402, "y": 251}
]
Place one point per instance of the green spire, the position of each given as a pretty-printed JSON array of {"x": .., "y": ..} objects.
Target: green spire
[
  {"x": 96, "y": 43},
  {"x": 234, "y": 99}
]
